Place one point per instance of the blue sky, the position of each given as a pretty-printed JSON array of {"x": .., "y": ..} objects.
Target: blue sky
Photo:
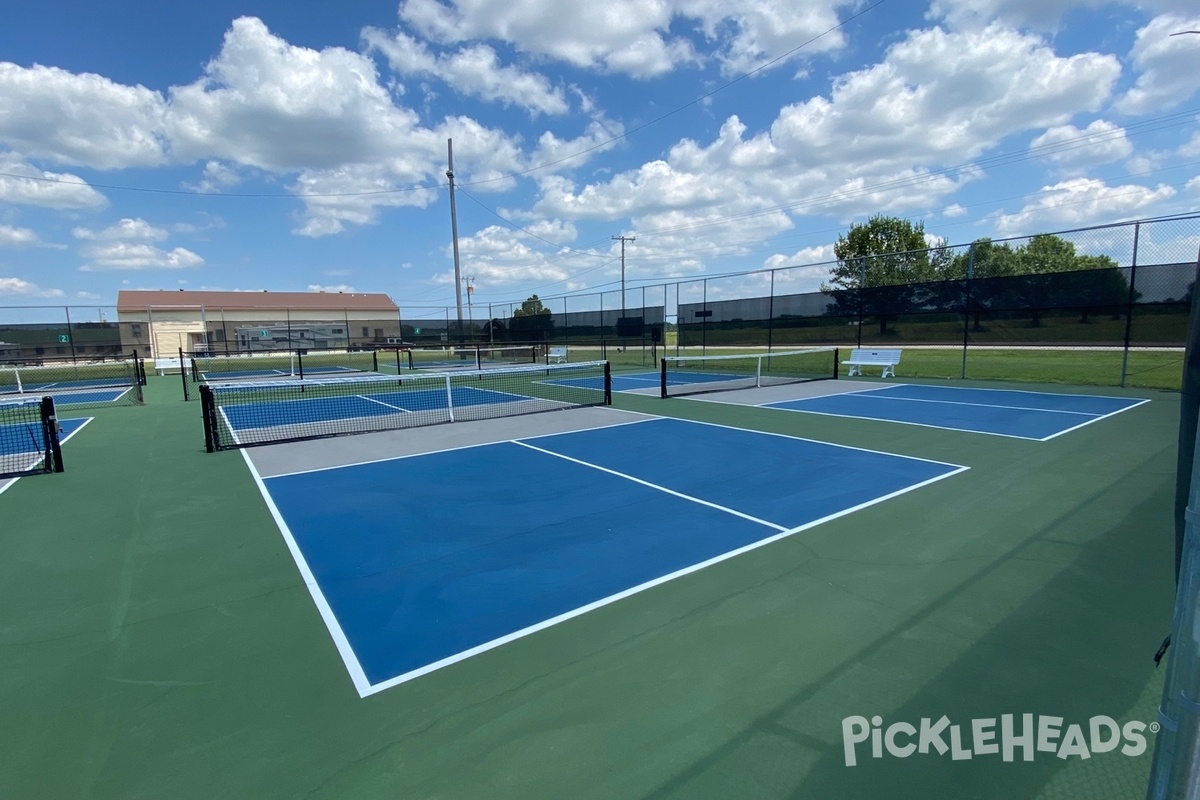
[{"x": 283, "y": 146}]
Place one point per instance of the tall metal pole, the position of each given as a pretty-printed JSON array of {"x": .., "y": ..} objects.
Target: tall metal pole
[
  {"x": 623, "y": 240},
  {"x": 454, "y": 234}
]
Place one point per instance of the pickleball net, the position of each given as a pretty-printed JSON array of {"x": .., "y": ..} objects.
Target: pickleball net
[
  {"x": 29, "y": 437},
  {"x": 683, "y": 375},
  {"x": 250, "y": 413},
  {"x": 99, "y": 381},
  {"x": 299, "y": 364},
  {"x": 471, "y": 356}
]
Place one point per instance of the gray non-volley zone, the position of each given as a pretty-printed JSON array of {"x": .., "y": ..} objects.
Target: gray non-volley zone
[
  {"x": 29, "y": 437},
  {"x": 74, "y": 383},
  {"x": 244, "y": 414},
  {"x": 682, "y": 375}
]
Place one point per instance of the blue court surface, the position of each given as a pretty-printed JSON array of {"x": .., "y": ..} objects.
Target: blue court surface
[
  {"x": 1000, "y": 412},
  {"x": 74, "y": 393},
  {"x": 247, "y": 416},
  {"x": 421, "y": 561},
  {"x": 13, "y": 439}
]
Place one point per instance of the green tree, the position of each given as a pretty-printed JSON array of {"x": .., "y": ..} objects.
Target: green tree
[
  {"x": 1043, "y": 274},
  {"x": 879, "y": 266},
  {"x": 531, "y": 322}
]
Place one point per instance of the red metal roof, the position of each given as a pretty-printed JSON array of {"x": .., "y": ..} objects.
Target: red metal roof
[{"x": 137, "y": 300}]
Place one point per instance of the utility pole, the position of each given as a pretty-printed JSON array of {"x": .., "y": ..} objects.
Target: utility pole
[
  {"x": 454, "y": 234},
  {"x": 623, "y": 240}
]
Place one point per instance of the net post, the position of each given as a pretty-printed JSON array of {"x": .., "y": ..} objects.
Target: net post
[
  {"x": 299, "y": 362},
  {"x": 138, "y": 381},
  {"x": 54, "y": 459},
  {"x": 183, "y": 375},
  {"x": 837, "y": 359},
  {"x": 758, "y": 369},
  {"x": 209, "y": 413},
  {"x": 374, "y": 356},
  {"x": 449, "y": 399},
  {"x": 607, "y": 384},
  {"x": 663, "y": 383}
]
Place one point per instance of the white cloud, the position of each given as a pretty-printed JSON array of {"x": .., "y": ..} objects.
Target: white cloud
[
  {"x": 1191, "y": 149},
  {"x": 497, "y": 257},
  {"x": 1167, "y": 65},
  {"x": 474, "y": 71},
  {"x": 625, "y": 35},
  {"x": 765, "y": 29},
  {"x": 23, "y": 184},
  {"x": 272, "y": 105},
  {"x": 124, "y": 230},
  {"x": 82, "y": 119},
  {"x": 22, "y": 288},
  {"x": 134, "y": 256},
  {"x": 938, "y": 99},
  {"x": 1082, "y": 201},
  {"x": 217, "y": 177},
  {"x": 1043, "y": 15},
  {"x": 11, "y": 236},
  {"x": 330, "y": 289},
  {"x": 1101, "y": 142},
  {"x": 635, "y": 37}
]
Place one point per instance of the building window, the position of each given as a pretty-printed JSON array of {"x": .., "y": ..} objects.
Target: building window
[
  {"x": 136, "y": 329},
  {"x": 60, "y": 349},
  {"x": 366, "y": 332},
  {"x": 338, "y": 331},
  {"x": 41, "y": 351}
]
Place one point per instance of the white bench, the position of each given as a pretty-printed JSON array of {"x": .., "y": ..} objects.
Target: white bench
[
  {"x": 556, "y": 355},
  {"x": 164, "y": 365},
  {"x": 859, "y": 358}
]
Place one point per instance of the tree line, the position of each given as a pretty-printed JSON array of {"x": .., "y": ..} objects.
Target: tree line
[{"x": 887, "y": 266}]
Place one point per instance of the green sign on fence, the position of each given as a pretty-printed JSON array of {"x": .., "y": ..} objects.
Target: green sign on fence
[{"x": 64, "y": 338}]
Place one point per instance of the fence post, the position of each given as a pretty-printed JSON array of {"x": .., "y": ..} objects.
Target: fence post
[
  {"x": 967, "y": 306},
  {"x": 70, "y": 333},
  {"x": 771, "y": 314},
  {"x": 862, "y": 287},
  {"x": 1137, "y": 229}
]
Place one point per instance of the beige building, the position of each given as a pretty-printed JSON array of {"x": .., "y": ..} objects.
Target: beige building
[{"x": 158, "y": 324}]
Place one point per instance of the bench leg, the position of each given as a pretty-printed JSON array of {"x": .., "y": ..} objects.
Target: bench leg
[
  {"x": 889, "y": 369},
  {"x": 853, "y": 370}
]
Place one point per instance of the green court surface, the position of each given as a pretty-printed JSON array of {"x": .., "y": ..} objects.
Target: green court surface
[{"x": 157, "y": 640}]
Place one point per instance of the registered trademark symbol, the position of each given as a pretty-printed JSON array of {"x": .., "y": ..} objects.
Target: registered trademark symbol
[{"x": 1154, "y": 726}]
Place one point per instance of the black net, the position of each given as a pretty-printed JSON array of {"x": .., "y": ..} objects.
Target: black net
[
  {"x": 28, "y": 437},
  {"x": 253, "y": 413},
  {"x": 103, "y": 382},
  {"x": 277, "y": 365},
  {"x": 473, "y": 356},
  {"x": 695, "y": 374}
]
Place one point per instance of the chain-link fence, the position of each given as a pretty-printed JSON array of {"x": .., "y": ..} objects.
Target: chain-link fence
[{"x": 1103, "y": 305}]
